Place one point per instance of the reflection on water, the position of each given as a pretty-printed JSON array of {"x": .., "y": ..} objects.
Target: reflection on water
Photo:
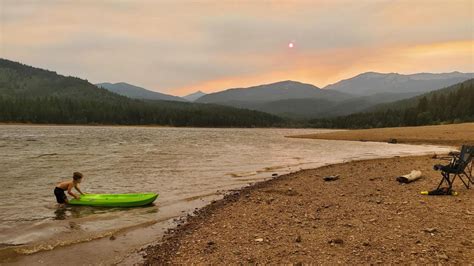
[
  {"x": 60, "y": 213},
  {"x": 71, "y": 212},
  {"x": 183, "y": 165}
]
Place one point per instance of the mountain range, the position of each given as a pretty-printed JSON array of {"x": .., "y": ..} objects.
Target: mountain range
[
  {"x": 291, "y": 100},
  {"x": 301, "y": 101},
  {"x": 297, "y": 100}
]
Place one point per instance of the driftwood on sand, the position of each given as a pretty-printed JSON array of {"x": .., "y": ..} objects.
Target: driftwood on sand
[
  {"x": 408, "y": 178},
  {"x": 331, "y": 178}
]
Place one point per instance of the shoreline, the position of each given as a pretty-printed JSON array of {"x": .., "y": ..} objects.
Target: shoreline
[
  {"x": 150, "y": 126},
  {"x": 305, "y": 225},
  {"x": 450, "y": 135},
  {"x": 199, "y": 237},
  {"x": 72, "y": 125}
]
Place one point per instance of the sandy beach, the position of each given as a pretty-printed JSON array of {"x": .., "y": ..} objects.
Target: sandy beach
[
  {"x": 365, "y": 216},
  {"x": 451, "y": 135}
]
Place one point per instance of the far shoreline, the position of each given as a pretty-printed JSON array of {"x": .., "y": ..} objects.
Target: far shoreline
[
  {"x": 154, "y": 126},
  {"x": 449, "y": 135}
]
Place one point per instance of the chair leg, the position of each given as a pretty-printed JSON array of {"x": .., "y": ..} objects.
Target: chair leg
[
  {"x": 445, "y": 179},
  {"x": 450, "y": 182},
  {"x": 441, "y": 182},
  {"x": 468, "y": 183}
]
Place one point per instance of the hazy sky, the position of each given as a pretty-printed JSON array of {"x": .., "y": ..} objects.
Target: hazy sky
[{"x": 180, "y": 46}]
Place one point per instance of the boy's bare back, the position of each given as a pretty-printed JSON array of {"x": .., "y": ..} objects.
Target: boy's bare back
[{"x": 66, "y": 185}]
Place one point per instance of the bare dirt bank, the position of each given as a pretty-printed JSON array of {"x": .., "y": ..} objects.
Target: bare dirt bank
[
  {"x": 453, "y": 135},
  {"x": 363, "y": 217}
]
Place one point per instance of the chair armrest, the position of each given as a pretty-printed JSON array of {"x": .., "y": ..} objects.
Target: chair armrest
[{"x": 444, "y": 158}]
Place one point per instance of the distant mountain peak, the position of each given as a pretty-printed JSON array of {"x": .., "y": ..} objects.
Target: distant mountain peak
[
  {"x": 124, "y": 83},
  {"x": 287, "y": 82},
  {"x": 194, "y": 96}
]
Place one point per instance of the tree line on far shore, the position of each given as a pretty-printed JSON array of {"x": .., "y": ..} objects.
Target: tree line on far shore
[
  {"x": 33, "y": 95},
  {"x": 56, "y": 110}
]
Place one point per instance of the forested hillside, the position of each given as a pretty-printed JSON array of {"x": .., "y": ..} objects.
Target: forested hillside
[
  {"x": 33, "y": 95},
  {"x": 449, "y": 105}
]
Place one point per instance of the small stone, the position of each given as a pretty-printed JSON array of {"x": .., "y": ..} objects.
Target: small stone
[
  {"x": 210, "y": 243},
  {"x": 443, "y": 256},
  {"x": 337, "y": 241},
  {"x": 259, "y": 240},
  {"x": 430, "y": 230},
  {"x": 112, "y": 237},
  {"x": 298, "y": 239},
  {"x": 366, "y": 244}
]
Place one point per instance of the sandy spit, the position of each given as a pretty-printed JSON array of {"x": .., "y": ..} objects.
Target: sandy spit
[{"x": 452, "y": 135}]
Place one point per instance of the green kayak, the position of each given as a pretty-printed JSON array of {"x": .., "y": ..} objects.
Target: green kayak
[{"x": 115, "y": 200}]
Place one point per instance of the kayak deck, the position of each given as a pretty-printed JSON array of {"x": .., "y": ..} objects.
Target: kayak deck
[{"x": 115, "y": 200}]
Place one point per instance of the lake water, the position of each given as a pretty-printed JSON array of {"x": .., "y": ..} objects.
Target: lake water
[{"x": 188, "y": 167}]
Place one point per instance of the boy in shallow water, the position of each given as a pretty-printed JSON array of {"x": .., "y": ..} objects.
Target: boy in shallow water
[{"x": 61, "y": 197}]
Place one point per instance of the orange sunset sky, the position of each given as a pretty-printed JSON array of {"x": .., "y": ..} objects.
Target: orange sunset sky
[{"x": 178, "y": 47}]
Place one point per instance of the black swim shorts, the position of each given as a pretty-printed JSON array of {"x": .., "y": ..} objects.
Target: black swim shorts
[{"x": 60, "y": 196}]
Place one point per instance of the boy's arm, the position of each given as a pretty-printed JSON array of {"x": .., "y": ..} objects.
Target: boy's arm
[
  {"x": 77, "y": 188},
  {"x": 69, "y": 191}
]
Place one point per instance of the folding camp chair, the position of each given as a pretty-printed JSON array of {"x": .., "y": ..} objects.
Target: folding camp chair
[{"x": 460, "y": 166}]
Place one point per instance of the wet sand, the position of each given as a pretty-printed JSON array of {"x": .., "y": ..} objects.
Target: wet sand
[
  {"x": 452, "y": 135},
  {"x": 365, "y": 216}
]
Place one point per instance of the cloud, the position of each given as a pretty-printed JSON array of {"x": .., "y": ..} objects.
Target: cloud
[{"x": 181, "y": 46}]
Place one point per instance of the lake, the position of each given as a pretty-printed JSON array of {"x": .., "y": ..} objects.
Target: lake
[{"x": 188, "y": 167}]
